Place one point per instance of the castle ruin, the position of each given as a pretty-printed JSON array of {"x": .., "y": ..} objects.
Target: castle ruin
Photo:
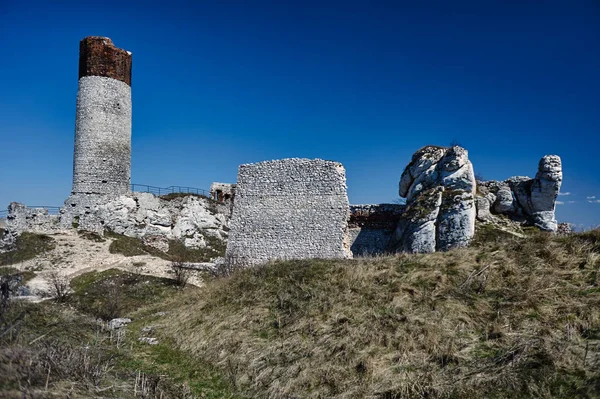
[
  {"x": 102, "y": 156},
  {"x": 283, "y": 209},
  {"x": 289, "y": 209}
]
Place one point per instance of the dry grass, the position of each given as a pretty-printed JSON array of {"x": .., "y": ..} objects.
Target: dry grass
[{"x": 508, "y": 317}]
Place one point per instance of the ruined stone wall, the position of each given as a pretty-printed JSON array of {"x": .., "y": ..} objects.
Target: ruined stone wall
[
  {"x": 289, "y": 209},
  {"x": 371, "y": 227}
]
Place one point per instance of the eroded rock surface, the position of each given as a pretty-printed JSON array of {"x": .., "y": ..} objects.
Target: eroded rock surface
[
  {"x": 522, "y": 199},
  {"x": 197, "y": 222},
  {"x": 190, "y": 219},
  {"x": 439, "y": 187}
]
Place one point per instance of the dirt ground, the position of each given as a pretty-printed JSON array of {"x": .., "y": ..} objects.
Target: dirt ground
[{"x": 74, "y": 255}]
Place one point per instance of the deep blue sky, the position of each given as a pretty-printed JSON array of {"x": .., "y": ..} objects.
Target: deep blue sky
[{"x": 220, "y": 83}]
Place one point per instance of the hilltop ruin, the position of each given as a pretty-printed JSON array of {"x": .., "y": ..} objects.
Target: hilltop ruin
[{"x": 283, "y": 209}]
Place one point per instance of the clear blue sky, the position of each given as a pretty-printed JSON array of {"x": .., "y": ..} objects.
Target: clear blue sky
[{"x": 221, "y": 83}]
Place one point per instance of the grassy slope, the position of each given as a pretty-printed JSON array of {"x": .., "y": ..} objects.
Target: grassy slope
[
  {"x": 49, "y": 350},
  {"x": 508, "y": 317},
  {"x": 28, "y": 246}
]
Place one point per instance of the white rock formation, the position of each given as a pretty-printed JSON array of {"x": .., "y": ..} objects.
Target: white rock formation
[
  {"x": 526, "y": 200},
  {"x": 439, "y": 186},
  {"x": 193, "y": 220},
  {"x": 190, "y": 219}
]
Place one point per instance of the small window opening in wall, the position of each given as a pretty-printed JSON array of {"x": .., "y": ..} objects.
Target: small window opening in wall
[{"x": 219, "y": 195}]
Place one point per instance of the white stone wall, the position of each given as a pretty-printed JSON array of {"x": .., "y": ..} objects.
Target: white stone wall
[
  {"x": 102, "y": 159},
  {"x": 289, "y": 209}
]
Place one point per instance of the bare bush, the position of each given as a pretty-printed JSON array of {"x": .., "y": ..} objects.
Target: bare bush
[
  {"x": 59, "y": 286},
  {"x": 182, "y": 274}
]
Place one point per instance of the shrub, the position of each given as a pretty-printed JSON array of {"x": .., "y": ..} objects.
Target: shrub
[
  {"x": 181, "y": 273},
  {"x": 59, "y": 286}
]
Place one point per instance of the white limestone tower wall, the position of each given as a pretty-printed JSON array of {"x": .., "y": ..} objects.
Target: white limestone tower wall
[{"x": 102, "y": 158}]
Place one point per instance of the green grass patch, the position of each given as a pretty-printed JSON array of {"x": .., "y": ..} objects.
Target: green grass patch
[
  {"x": 115, "y": 293},
  {"x": 28, "y": 246},
  {"x": 52, "y": 351},
  {"x": 178, "y": 252},
  {"x": 509, "y": 317}
]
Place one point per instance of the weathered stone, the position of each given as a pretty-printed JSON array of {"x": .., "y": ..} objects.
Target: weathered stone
[
  {"x": 416, "y": 231},
  {"x": 456, "y": 224},
  {"x": 189, "y": 219},
  {"x": 289, "y": 209},
  {"x": 505, "y": 202},
  {"x": 526, "y": 200},
  {"x": 102, "y": 157},
  {"x": 222, "y": 192},
  {"x": 439, "y": 185},
  {"x": 544, "y": 191},
  {"x": 20, "y": 219},
  {"x": 483, "y": 205},
  {"x": 118, "y": 323},
  {"x": 422, "y": 173}
]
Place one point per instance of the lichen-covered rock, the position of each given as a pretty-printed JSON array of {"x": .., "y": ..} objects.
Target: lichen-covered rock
[
  {"x": 416, "y": 231},
  {"x": 544, "y": 191},
  {"x": 456, "y": 222},
  {"x": 439, "y": 186},
  {"x": 505, "y": 201},
  {"x": 525, "y": 200},
  {"x": 193, "y": 220}
]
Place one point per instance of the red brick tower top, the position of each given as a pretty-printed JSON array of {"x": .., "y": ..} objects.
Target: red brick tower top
[{"x": 98, "y": 56}]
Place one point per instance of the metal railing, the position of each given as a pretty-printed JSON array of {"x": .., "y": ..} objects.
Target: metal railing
[{"x": 144, "y": 188}]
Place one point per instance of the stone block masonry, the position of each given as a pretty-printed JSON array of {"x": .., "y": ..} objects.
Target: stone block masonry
[{"x": 289, "y": 209}]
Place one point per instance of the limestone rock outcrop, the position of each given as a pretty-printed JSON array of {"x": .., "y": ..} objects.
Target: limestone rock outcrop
[
  {"x": 190, "y": 219},
  {"x": 439, "y": 187},
  {"x": 522, "y": 199},
  {"x": 195, "y": 221}
]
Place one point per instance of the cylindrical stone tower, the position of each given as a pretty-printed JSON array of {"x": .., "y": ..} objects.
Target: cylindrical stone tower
[{"x": 102, "y": 161}]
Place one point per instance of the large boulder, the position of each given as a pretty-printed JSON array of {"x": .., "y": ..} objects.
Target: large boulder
[{"x": 439, "y": 187}]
